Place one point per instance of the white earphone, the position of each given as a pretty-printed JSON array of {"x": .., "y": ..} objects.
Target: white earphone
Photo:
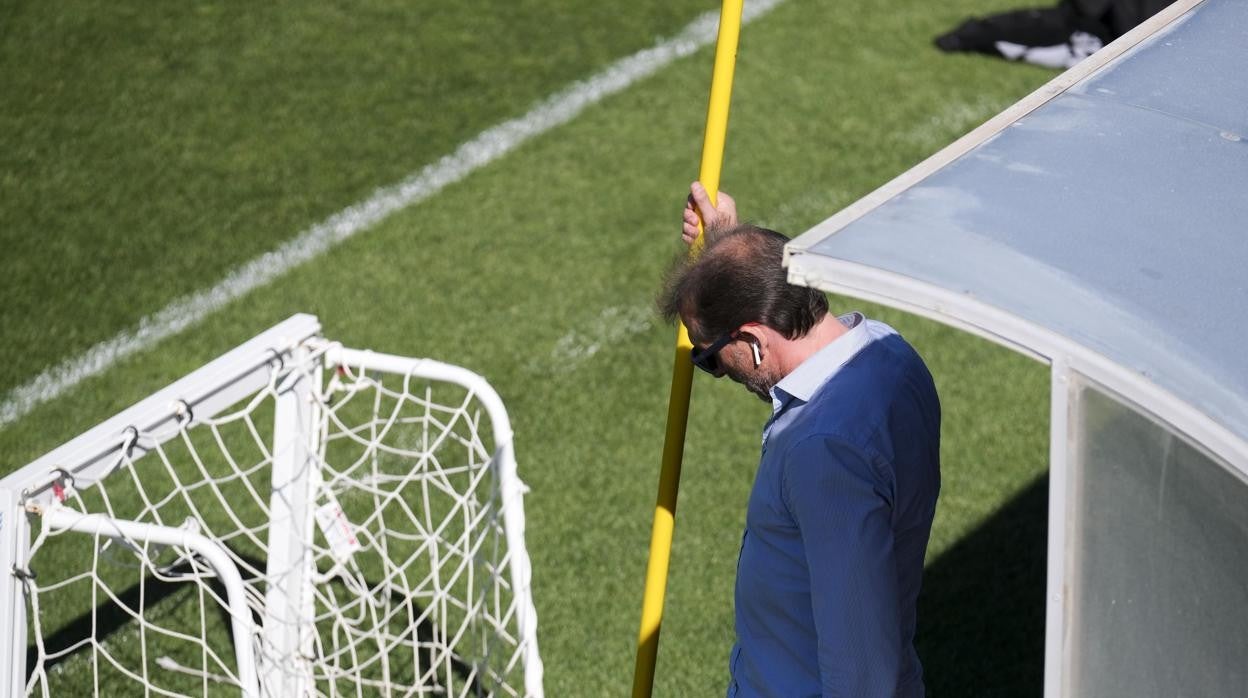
[{"x": 758, "y": 359}]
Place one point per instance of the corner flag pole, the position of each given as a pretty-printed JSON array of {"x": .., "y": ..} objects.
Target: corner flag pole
[{"x": 682, "y": 370}]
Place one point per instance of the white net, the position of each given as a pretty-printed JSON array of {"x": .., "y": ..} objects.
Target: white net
[{"x": 372, "y": 518}]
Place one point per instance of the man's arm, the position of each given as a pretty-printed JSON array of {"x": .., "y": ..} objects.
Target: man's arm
[{"x": 843, "y": 508}]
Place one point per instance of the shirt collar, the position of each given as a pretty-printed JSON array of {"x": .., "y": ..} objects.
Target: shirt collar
[{"x": 803, "y": 381}]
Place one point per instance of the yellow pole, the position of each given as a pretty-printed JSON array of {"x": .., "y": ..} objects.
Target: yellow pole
[{"x": 682, "y": 370}]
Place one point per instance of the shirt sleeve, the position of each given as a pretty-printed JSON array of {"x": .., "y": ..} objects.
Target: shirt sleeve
[{"x": 843, "y": 509}]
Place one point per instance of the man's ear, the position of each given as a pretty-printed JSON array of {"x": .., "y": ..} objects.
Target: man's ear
[
  {"x": 753, "y": 332},
  {"x": 756, "y": 335}
]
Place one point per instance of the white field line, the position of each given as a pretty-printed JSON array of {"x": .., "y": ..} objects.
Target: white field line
[
  {"x": 579, "y": 344},
  {"x": 486, "y": 147}
]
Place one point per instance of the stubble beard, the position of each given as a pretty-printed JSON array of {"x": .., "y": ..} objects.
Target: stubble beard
[{"x": 757, "y": 382}]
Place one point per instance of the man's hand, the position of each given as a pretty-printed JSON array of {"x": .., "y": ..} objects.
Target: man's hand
[{"x": 722, "y": 216}]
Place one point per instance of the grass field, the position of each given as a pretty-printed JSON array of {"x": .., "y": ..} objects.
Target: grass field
[{"x": 148, "y": 150}]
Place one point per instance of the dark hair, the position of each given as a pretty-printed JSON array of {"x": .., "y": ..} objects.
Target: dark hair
[{"x": 739, "y": 277}]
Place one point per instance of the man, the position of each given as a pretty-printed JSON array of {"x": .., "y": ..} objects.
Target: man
[{"x": 842, "y": 504}]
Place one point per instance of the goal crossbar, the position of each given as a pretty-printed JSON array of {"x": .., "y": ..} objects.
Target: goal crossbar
[{"x": 210, "y": 389}]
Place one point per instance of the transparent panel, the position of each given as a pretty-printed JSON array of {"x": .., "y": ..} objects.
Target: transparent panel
[{"x": 1160, "y": 559}]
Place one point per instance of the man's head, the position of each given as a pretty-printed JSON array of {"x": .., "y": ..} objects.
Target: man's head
[{"x": 735, "y": 294}]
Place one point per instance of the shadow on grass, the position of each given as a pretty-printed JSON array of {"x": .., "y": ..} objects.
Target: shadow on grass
[
  {"x": 981, "y": 609},
  {"x": 111, "y": 618}
]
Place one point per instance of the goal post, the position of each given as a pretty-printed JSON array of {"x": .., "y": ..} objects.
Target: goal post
[{"x": 295, "y": 518}]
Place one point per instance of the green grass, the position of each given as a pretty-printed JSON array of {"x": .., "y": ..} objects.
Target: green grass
[
  {"x": 152, "y": 149},
  {"x": 148, "y": 150}
]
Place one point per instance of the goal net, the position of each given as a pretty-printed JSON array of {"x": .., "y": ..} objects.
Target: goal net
[{"x": 294, "y": 519}]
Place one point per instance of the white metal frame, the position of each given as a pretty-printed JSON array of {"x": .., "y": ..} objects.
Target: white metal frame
[
  {"x": 290, "y": 600},
  {"x": 14, "y": 546},
  {"x": 1060, "y": 527},
  {"x": 91, "y": 456}
]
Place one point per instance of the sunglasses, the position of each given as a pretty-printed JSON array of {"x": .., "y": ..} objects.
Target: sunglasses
[{"x": 708, "y": 359}]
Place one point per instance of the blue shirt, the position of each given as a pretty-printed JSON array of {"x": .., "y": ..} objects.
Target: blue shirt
[{"x": 837, "y": 524}]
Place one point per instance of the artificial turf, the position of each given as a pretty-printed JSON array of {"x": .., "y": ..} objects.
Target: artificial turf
[{"x": 150, "y": 149}]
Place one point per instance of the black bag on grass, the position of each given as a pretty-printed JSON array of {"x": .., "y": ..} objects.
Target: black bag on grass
[{"x": 1056, "y": 37}]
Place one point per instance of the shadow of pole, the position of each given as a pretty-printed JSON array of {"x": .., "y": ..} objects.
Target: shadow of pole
[{"x": 981, "y": 609}]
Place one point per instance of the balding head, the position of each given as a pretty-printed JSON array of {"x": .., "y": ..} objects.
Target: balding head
[{"x": 739, "y": 278}]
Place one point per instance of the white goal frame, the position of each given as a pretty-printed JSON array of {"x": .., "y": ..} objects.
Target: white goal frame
[{"x": 32, "y": 497}]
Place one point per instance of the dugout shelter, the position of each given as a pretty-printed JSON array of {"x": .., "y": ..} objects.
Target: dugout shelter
[{"x": 1099, "y": 226}]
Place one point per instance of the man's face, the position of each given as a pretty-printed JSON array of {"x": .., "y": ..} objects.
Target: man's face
[
  {"x": 735, "y": 359},
  {"x": 740, "y": 368}
]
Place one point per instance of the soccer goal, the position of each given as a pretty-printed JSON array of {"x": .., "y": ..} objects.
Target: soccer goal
[{"x": 293, "y": 519}]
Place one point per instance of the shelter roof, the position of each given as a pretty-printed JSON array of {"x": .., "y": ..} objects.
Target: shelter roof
[{"x": 1110, "y": 208}]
